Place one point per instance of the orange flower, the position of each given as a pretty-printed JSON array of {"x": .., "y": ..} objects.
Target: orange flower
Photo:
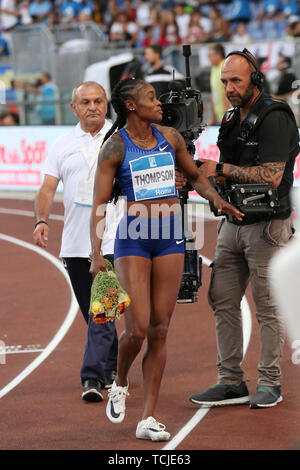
[
  {"x": 107, "y": 302},
  {"x": 99, "y": 319}
]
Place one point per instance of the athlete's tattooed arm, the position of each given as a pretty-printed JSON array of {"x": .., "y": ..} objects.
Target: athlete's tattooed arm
[
  {"x": 175, "y": 134},
  {"x": 112, "y": 150},
  {"x": 266, "y": 173}
]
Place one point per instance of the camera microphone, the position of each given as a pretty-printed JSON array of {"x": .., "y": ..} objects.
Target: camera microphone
[{"x": 186, "y": 51}]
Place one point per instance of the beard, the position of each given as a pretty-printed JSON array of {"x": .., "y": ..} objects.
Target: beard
[{"x": 239, "y": 101}]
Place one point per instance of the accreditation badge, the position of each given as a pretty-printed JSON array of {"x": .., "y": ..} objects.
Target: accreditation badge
[
  {"x": 153, "y": 176},
  {"x": 84, "y": 192},
  {"x": 85, "y": 186}
]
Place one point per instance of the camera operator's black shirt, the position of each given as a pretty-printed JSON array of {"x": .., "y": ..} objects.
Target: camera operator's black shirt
[
  {"x": 276, "y": 139},
  {"x": 285, "y": 84}
]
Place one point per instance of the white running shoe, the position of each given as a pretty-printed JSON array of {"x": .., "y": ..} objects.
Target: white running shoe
[
  {"x": 115, "y": 408},
  {"x": 151, "y": 429}
]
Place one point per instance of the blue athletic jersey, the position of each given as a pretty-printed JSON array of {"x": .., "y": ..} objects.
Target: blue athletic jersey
[{"x": 147, "y": 174}]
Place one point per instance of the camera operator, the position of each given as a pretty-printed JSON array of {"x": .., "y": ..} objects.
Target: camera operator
[{"x": 258, "y": 142}]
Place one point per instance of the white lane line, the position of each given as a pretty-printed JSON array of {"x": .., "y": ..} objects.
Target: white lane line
[
  {"x": 12, "y": 348},
  {"x": 200, "y": 414},
  {"x": 3, "y": 210},
  {"x": 72, "y": 312},
  {"x": 23, "y": 351},
  {"x": 202, "y": 411}
]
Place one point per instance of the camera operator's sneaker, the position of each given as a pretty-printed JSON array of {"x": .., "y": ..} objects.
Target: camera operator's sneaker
[
  {"x": 266, "y": 396},
  {"x": 222, "y": 395},
  {"x": 115, "y": 408},
  {"x": 151, "y": 429}
]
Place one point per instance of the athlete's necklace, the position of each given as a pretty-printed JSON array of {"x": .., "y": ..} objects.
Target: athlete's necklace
[{"x": 145, "y": 141}]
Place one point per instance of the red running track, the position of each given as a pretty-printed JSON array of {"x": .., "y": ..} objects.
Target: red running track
[{"x": 45, "y": 411}]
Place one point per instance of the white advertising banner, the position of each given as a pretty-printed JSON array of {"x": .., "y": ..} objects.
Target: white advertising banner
[{"x": 23, "y": 150}]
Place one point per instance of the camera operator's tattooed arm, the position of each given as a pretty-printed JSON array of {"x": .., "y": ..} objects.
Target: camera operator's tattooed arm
[
  {"x": 267, "y": 173},
  {"x": 196, "y": 177}
]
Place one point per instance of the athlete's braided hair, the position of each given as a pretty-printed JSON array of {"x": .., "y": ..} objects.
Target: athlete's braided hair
[{"x": 120, "y": 94}]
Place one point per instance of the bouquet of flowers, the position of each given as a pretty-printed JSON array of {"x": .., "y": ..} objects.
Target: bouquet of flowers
[{"x": 108, "y": 298}]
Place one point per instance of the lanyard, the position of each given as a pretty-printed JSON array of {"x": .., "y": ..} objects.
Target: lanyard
[{"x": 94, "y": 156}]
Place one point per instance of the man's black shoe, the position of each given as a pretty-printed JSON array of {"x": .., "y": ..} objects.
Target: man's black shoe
[
  {"x": 266, "y": 396},
  {"x": 222, "y": 395},
  {"x": 91, "y": 390},
  {"x": 110, "y": 377}
]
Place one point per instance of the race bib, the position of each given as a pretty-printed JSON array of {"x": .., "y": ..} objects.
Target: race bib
[{"x": 153, "y": 176}]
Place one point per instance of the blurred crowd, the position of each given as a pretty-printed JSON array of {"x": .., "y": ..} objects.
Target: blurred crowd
[
  {"x": 163, "y": 22},
  {"x": 41, "y": 97},
  {"x": 146, "y": 24}
]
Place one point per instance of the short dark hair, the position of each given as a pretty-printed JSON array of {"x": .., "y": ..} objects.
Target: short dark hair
[
  {"x": 287, "y": 62},
  {"x": 47, "y": 74},
  {"x": 156, "y": 48},
  {"x": 218, "y": 49},
  {"x": 15, "y": 116}
]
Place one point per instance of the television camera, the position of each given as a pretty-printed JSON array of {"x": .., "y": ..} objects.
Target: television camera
[
  {"x": 183, "y": 109},
  {"x": 257, "y": 199}
]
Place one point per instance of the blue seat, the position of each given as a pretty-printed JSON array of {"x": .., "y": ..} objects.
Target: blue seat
[
  {"x": 254, "y": 29},
  {"x": 269, "y": 29},
  {"x": 226, "y": 10},
  {"x": 281, "y": 28},
  {"x": 239, "y": 10}
]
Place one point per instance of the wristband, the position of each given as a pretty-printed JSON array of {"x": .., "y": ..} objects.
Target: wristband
[
  {"x": 40, "y": 222},
  {"x": 219, "y": 169}
]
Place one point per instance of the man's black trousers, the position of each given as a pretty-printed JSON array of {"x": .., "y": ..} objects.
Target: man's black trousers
[{"x": 101, "y": 348}]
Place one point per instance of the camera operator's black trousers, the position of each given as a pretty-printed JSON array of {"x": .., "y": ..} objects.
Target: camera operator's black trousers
[
  {"x": 101, "y": 348},
  {"x": 243, "y": 254}
]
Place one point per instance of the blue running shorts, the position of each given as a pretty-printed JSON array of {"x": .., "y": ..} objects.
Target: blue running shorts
[{"x": 149, "y": 237}]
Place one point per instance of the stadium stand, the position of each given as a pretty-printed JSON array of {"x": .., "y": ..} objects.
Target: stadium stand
[{"x": 64, "y": 38}]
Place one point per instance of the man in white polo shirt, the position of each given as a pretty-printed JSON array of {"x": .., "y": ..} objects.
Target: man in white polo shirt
[{"x": 72, "y": 160}]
